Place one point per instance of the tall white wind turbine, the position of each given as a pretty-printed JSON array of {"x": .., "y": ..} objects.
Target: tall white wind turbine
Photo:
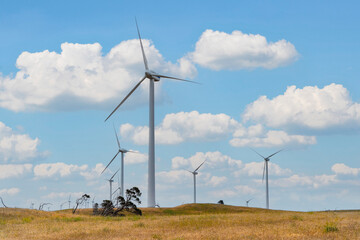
[
  {"x": 153, "y": 77},
  {"x": 266, "y": 169},
  {"x": 194, "y": 173},
  {"x": 122, "y": 151},
  {"x": 110, "y": 182}
]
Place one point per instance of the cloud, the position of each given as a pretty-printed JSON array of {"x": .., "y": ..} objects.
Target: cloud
[
  {"x": 216, "y": 181},
  {"x": 18, "y": 147},
  {"x": 173, "y": 176},
  {"x": 94, "y": 173},
  {"x": 213, "y": 159},
  {"x": 219, "y": 50},
  {"x": 135, "y": 158},
  {"x": 272, "y": 138},
  {"x": 243, "y": 189},
  {"x": 63, "y": 195},
  {"x": 9, "y": 191},
  {"x": 14, "y": 170},
  {"x": 308, "y": 108},
  {"x": 312, "y": 181},
  {"x": 59, "y": 169},
  {"x": 183, "y": 126},
  {"x": 257, "y": 168},
  {"x": 342, "y": 169},
  {"x": 82, "y": 77}
]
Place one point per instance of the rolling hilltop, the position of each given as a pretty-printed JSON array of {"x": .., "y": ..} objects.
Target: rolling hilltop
[{"x": 189, "y": 221}]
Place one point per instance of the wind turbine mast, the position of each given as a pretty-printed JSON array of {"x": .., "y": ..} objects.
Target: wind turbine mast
[
  {"x": 153, "y": 77},
  {"x": 194, "y": 173},
  {"x": 266, "y": 170}
]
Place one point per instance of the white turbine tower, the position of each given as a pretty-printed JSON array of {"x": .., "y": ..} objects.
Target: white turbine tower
[
  {"x": 153, "y": 77},
  {"x": 122, "y": 151},
  {"x": 69, "y": 200},
  {"x": 110, "y": 182},
  {"x": 266, "y": 169},
  {"x": 194, "y": 173}
]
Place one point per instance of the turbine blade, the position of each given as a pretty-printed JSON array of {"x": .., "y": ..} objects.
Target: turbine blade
[
  {"x": 137, "y": 85},
  {"x": 274, "y": 153},
  {"x": 110, "y": 162},
  {"x": 258, "y": 153},
  {"x": 199, "y": 166},
  {"x": 133, "y": 151},
  {"x": 263, "y": 172},
  {"x": 142, "y": 48},
  {"x": 180, "y": 79},
  {"x": 117, "y": 139},
  {"x": 114, "y": 174}
]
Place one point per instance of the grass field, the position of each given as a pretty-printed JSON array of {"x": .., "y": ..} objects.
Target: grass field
[{"x": 190, "y": 221}]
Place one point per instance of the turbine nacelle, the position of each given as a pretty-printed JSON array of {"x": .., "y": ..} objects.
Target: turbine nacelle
[{"x": 152, "y": 75}]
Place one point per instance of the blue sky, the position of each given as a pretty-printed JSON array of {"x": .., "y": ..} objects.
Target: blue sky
[{"x": 273, "y": 75}]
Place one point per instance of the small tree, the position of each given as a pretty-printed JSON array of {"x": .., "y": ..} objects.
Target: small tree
[
  {"x": 220, "y": 202},
  {"x": 3, "y": 202},
  {"x": 107, "y": 208},
  {"x": 127, "y": 204},
  {"x": 96, "y": 209},
  {"x": 80, "y": 201}
]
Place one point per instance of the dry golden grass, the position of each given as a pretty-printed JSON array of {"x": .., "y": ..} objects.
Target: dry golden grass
[{"x": 191, "y": 221}]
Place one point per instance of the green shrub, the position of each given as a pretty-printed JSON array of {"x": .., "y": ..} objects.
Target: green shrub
[{"x": 330, "y": 227}]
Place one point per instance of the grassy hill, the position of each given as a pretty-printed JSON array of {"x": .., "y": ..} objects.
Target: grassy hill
[{"x": 190, "y": 221}]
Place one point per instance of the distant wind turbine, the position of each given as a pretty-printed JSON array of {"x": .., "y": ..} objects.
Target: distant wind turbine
[
  {"x": 62, "y": 204},
  {"x": 194, "y": 173},
  {"x": 93, "y": 201},
  {"x": 69, "y": 201},
  {"x": 266, "y": 169},
  {"x": 111, "y": 181},
  {"x": 153, "y": 77},
  {"x": 247, "y": 202},
  {"x": 122, "y": 151}
]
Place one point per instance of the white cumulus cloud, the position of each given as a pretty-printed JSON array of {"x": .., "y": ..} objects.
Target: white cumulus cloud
[
  {"x": 311, "y": 181},
  {"x": 310, "y": 108},
  {"x": 81, "y": 76},
  {"x": 340, "y": 168},
  {"x": 183, "y": 126},
  {"x": 257, "y": 168},
  {"x": 14, "y": 170},
  {"x": 212, "y": 159},
  {"x": 15, "y": 147},
  {"x": 219, "y": 50},
  {"x": 59, "y": 169},
  {"x": 272, "y": 138},
  {"x": 9, "y": 191},
  {"x": 216, "y": 181}
]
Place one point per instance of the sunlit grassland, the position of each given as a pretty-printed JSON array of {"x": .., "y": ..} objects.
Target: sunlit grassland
[{"x": 199, "y": 221}]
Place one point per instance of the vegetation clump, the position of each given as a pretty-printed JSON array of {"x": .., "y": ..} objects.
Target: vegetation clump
[
  {"x": 80, "y": 201},
  {"x": 124, "y": 204},
  {"x": 330, "y": 227}
]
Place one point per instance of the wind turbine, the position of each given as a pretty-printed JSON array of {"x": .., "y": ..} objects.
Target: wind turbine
[
  {"x": 153, "y": 77},
  {"x": 194, "y": 173},
  {"x": 266, "y": 169},
  {"x": 247, "y": 202},
  {"x": 111, "y": 181},
  {"x": 122, "y": 151},
  {"x": 93, "y": 201},
  {"x": 62, "y": 205},
  {"x": 69, "y": 200}
]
